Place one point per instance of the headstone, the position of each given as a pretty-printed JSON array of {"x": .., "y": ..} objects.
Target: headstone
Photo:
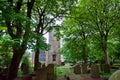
[
  {"x": 101, "y": 66},
  {"x": 106, "y": 68},
  {"x": 95, "y": 71},
  {"x": 115, "y": 75},
  {"x": 84, "y": 68},
  {"x": 41, "y": 73},
  {"x": 51, "y": 72},
  {"x": 77, "y": 69}
]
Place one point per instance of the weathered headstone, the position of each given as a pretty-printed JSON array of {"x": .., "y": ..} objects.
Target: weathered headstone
[
  {"x": 51, "y": 72},
  {"x": 77, "y": 69},
  {"x": 84, "y": 68},
  {"x": 115, "y": 75},
  {"x": 106, "y": 68},
  {"x": 101, "y": 66},
  {"x": 95, "y": 71},
  {"x": 41, "y": 73}
]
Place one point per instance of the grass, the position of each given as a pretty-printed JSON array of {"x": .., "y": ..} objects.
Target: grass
[
  {"x": 107, "y": 75},
  {"x": 62, "y": 71},
  {"x": 19, "y": 72}
]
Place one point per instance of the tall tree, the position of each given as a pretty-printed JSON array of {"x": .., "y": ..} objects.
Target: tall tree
[
  {"x": 17, "y": 16},
  {"x": 100, "y": 16},
  {"x": 46, "y": 13},
  {"x": 104, "y": 16},
  {"x": 76, "y": 31}
]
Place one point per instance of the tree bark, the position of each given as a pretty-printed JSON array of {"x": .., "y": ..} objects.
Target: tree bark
[
  {"x": 19, "y": 50},
  {"x": 36, "y": 61},
  {"x": 104, "y": 48},
  {"x": 13, "y": 68},
  {"x": 105, "y": 53},
  {"x": 84, "y": 54},
  {"x": 39, "y": 32}
]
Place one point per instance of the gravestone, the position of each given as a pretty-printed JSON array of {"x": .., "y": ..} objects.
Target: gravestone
[
  {"x": 95, "y": 71},
  {"x": 101, "y": 66},
  {"x": 51, "y": 72},
  {"x": 41, "y": 73},
  {"x": 84, "y": 68},
  {"x": 77, "y": 69},
  {"x": 115, "y": 75},
  {"x": 106, "y": 68}
]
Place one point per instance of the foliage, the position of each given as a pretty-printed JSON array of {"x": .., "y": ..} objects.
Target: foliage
[
  {"x": 62, "y": 71},
  {"x": 26, "y": 61},
  {"x": 45, "y": 15},
  {"x": 115, "y": 55},
  {"x": 5, "y": 53},
  {"x": 91, "y": 24},
  {"x": 42, "y": 43}
]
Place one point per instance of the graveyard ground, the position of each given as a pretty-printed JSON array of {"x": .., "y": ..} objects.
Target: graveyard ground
[{"x": 62, "y": 72}]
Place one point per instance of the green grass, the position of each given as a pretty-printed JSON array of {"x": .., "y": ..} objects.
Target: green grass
[
  {"x": 19, "y": 72},
  {"x": 62, "y": 70},
  {"x": 107, "y": 75}
]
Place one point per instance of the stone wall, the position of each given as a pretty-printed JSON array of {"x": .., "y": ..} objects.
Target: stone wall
[{"x": 55, "y": 45}]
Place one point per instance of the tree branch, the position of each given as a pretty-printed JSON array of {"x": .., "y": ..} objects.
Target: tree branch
[
  {"x": 29, "y": 12},
  {"x": 18, "y": 7}
]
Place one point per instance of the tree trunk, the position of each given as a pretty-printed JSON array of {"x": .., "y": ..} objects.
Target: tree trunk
[
  {"x": 105, "y": 52},
  {"x": 36, "y": 60},
  {"x": 13, "y": 68},
  {"x": 84, "y": 54},
  {"x": 106, "y": 56}
]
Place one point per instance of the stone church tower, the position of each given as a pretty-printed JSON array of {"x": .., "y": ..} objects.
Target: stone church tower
[{"x": 53, "y": 55}]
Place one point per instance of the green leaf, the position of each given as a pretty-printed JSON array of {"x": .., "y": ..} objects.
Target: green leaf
[{"x": 3, "y": 28}]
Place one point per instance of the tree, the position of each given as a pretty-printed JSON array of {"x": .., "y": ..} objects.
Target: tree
[
  {"x": 76, "y": 31},
  {"x": 5, "y": 53},
  {"x": 46, "y": 13},
  {"x": 99, "y": 17},
  {"x": 21, "y": 23},
  {"x": 104, "y": 16},
  {"x": 16, "y": 16}
]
